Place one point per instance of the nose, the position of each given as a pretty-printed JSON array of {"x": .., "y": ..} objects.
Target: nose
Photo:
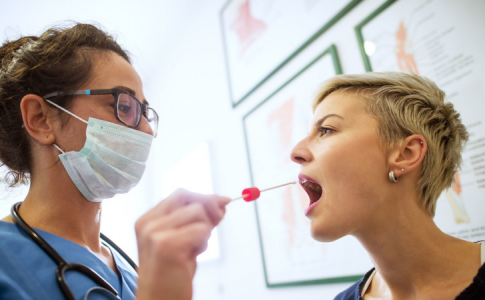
[
  {"x": 300, "y": 153},
  {"x": 145, "y": 127}
]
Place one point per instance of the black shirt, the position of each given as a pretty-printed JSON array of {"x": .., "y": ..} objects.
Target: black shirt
[{"x": 475, "y": 291}]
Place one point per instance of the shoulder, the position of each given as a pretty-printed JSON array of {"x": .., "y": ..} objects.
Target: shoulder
[
  {"x": 354, "y": 291},
  {"x": 18, "y": 260},
  {"x": 11, "y": 236},
  {"x": 13, "y": 240}
]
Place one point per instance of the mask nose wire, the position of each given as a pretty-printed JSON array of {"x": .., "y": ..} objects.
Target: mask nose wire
[{"x": 66, "y": 111}]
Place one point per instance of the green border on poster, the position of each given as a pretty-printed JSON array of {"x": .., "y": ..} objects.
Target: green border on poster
[
  {"x": 360, "y": 37},
  {"x": 324, "y": 28},
  {"x": 332, "y": 50}
]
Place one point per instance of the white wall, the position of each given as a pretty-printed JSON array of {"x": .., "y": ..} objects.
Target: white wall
[{"x": 178, "y": 52}]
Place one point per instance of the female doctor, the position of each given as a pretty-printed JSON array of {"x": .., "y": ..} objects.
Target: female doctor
[{"x": 75, "y": 124}]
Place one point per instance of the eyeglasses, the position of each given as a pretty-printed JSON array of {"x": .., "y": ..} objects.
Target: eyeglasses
[{"x": 127, "y": 109}]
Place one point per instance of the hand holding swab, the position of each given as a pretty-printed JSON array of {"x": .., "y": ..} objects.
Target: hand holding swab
[{"x": 252, "y": 193}]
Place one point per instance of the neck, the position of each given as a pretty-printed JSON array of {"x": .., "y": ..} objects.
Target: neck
[
  {"x": 55, "y": 205},
  {"x": 412, "y": 254}
]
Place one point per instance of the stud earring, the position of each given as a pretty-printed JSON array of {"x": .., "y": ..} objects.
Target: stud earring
[
  {"x": 402, "y": 170},
  {"x": 391, "y": 177},
  {"x": 421, "y": 142}
]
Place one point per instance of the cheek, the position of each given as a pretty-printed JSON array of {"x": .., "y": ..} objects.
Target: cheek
[
  {"x": 77, "y": 133},
  {"x": 352, "y": 169},
  {"x": 93, "y": 107},
  {"x": 351, "y": 180}
]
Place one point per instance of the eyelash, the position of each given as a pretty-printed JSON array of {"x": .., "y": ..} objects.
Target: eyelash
[{"x": 324, "y": 130}]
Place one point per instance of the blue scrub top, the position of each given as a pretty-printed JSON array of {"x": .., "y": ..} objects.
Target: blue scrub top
[{"x": 27, "y": 272}]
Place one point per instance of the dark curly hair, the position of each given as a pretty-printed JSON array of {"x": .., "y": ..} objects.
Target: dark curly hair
[{"x": 61, "y": 59}]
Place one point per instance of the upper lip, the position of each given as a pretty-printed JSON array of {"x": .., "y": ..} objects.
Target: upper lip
[{"x": 302, "y": 178}]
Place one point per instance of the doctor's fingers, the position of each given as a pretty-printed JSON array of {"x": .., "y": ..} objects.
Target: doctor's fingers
[
  {"x": 213, "y": 204},
  {"x": 176, "y": 246},
  {"x": 194, "y": 236},
  {"x": 192, "y": 213}
]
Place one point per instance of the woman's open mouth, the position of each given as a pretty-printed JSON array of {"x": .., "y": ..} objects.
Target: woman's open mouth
[{"x": 313, "y": 189}]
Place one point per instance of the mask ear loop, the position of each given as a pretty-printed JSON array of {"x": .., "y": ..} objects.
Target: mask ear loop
[
  {"x": 58, "y": 148},
  {"x": 66, "y": 111}
]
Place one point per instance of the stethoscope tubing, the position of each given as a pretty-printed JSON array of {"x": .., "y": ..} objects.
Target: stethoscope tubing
[{"x": 63, "y": 266}]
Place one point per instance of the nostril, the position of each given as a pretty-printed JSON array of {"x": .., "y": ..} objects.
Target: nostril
[{"x": 298, "y": 159}]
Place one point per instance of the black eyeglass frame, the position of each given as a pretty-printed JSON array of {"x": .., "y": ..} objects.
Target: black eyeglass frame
[{"x": 116, "y": 93}]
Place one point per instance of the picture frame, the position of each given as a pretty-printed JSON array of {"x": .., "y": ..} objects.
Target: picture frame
[
  {"x": 290, "y": 256},
  {"x": 259, "y": 40},
  {"x": 360, "y": 37},
  {"x": 437, "y": 39}
]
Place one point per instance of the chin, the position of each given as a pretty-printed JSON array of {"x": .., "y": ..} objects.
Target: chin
[{"x": 325, "y": 234}]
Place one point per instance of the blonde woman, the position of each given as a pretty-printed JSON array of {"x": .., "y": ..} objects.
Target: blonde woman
[{"x": 382, "y": 148}]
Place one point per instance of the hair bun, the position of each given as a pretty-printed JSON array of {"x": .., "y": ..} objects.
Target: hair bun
[
  {"x": 11, "y": 49},
  {"x": 60, "y": 59}
]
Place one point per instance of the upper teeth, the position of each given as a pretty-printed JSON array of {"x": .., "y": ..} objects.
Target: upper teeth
[{"x": 311, "y": 185}]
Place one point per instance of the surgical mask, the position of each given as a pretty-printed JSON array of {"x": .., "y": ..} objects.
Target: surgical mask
[{"x": 111, "y": 162}]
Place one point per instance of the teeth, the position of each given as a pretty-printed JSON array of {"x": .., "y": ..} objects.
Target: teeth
[
  {"x": 311, "y": 186},
  {"x": 313, "y": 189}
]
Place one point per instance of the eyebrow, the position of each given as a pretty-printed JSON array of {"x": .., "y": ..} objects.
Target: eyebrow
[
  {"x": 132, "y": 92},
  {"x": 322, "y": 119}
]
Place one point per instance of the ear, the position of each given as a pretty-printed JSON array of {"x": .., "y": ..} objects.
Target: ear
[
  {"x": 409, "y": 156},
  {"x": 35, "y": 115}
]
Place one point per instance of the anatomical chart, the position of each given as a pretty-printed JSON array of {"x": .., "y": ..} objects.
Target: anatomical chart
[
  {"x": 8, "y": 195},
  {"x": 259, "y": 36},
  {"x": 441, "y": 39},
  {"x": 290, "y": 255}
]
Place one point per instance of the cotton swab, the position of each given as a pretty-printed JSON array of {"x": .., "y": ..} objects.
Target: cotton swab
[{"x": 252, "y": 193}]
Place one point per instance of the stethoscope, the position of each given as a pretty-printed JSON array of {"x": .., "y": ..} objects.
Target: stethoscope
[{"x": 62, "y": 265}]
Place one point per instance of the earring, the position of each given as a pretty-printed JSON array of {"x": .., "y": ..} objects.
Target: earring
[
  {"x": 421, "y": 142},
  {"x": 402, "y": 170},
  {"x": 391, "y": 177}
]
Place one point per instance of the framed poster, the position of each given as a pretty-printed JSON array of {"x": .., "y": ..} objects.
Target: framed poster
[
  {"x": 260, "y": 37},
  {"x": 440, "y": 39},
  {"x": 290, "y": 255},
  {"x": 8, "y": 195}
]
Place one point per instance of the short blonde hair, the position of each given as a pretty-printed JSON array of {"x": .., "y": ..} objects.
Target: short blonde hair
[{"x": 406, "y": 104}]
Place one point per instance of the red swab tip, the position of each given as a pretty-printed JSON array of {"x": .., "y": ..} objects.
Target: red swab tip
[{"x": 250, "y": 194}]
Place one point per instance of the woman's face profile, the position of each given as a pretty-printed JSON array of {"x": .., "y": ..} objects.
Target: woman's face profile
[
  {"x": 109, "y": 71},
  {"x": 343, "y": 167}
]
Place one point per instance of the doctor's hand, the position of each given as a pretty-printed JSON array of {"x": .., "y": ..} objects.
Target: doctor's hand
[{"x": 170, "y": 236}]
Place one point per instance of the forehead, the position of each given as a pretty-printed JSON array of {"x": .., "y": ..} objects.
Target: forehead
[
  {"x": 112, "y": 70},
  {"x": 348, "y": 105}
]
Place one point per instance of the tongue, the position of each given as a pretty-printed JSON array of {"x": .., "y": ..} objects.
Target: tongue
[{"x": 314, "y": 195}]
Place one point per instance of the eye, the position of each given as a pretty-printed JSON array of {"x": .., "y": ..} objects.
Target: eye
[
  {"x": 325, "y": 130},
  {"x": 125, "y": 109}
]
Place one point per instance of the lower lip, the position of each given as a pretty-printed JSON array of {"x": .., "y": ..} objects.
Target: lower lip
[{"x": 311, "y": 207}]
